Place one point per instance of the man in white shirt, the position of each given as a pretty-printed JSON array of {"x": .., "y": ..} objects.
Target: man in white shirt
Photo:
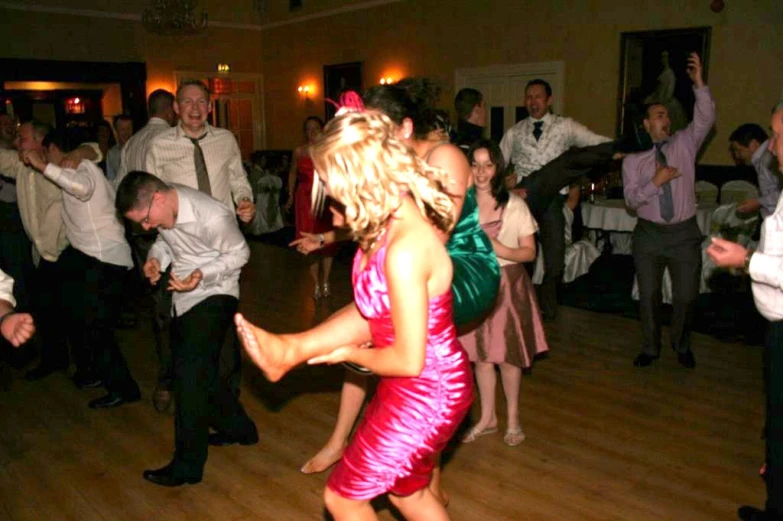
[
  {"x": 194, "y": 153},
  {"x": 40, "y": 206},
  {"x": 200, "y": 239},
  {"x": 748, "y": 145},
  {"x": 123, "y": 125},
  {"x": 530, "y": 145},
  {"x": 765, "y": 267},
  {"x": 15, "y": 327},
  {"x": 160, "y": 105},
  {"x": 93, "y": 269},
  {"x": 15, "y": 248},
  {"x": 173, "y": 155}
]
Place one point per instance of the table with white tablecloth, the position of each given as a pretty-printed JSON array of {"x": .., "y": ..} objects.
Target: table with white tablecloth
[
  {"x": 613, "y": 216},
  {"x": 611, "y": 224}
]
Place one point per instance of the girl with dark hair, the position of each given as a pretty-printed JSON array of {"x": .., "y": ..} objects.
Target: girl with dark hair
[{"x": 512, "y": 335}]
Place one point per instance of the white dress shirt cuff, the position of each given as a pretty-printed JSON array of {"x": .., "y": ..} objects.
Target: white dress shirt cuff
[{"x": 766, "y": 269}]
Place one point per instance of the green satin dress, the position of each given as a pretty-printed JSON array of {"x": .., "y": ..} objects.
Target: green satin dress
[{"x": 476, "y": 269}]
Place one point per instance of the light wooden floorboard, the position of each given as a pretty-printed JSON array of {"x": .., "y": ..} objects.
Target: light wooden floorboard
[{"x": 605, "y": 440}]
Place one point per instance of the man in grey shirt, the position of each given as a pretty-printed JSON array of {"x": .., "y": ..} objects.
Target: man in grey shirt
[{"x": 748, "y": 145}]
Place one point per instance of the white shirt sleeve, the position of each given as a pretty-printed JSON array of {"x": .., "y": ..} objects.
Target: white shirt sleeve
[
  {"x": 7, "y": 288},
  {"x": 767, "y": 269},
  {"x": 506, "y": 143},
  {"x": 79, "y": 183},
  {"x": 581, "y": 136}
]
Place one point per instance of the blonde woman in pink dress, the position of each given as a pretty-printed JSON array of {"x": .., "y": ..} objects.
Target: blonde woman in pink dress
[
  {"x": 398, "y": 211},
  {"x": 513, "y": 333}
]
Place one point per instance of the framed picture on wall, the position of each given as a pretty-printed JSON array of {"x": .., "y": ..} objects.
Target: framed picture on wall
[{"x": 653, "y": 69}]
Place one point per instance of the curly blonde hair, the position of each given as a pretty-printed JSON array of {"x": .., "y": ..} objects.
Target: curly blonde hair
[{"x": 370, "y": 171}]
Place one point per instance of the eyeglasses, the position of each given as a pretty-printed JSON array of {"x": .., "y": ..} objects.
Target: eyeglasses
[{"x": 146, "y": 220}]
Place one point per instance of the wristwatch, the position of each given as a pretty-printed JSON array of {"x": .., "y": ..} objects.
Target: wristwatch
[
  {"x": 748, "y": 256},
  {"x": 321, "y": 241}
]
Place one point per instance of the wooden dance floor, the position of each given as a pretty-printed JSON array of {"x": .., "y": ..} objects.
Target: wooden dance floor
[{"x": 605, "y": 440}]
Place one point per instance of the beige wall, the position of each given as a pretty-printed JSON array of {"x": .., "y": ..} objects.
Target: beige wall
[
  {"x": 434, "y": 38},
  {"x": 428, "y": 37},
  {"x": 68, "y": 37}
]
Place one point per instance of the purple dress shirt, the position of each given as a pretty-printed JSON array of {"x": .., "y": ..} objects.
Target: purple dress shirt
[{"x": 680, "y": 150}]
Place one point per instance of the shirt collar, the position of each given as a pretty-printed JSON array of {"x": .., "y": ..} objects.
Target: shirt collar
[
  {"x": 181, "y": 132},
  {"x": 760, "y": 151},
  {"x": 547, "y": 119},
  {"x": 185, "y": 213}
]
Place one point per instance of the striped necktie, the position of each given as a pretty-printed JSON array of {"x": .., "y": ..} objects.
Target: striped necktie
[{"x": 202, "y": 176}]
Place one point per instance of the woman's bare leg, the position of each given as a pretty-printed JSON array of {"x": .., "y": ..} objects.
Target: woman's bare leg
[
  {"x": 326, "y": 268},
  {"x": 344, "y": 509},
  {"x": 486, "y": 381},
  {"x": 316, "y": 283},
  {"x": 278, "y": 354},
  {"x": 420, "y": 506},
  {"x": 511, "y": 377},
  {"x": 435, "y": 488},
  {"x": 351, "y": 399}
]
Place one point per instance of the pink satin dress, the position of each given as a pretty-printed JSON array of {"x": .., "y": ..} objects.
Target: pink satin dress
[{"x": 409, "y": 420}]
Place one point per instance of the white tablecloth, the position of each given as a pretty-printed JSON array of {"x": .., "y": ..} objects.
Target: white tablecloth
[{"x": 612, "y": 215}]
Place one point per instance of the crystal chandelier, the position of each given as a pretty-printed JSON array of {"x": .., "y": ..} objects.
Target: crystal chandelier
[{"x": 173, "y": 17}]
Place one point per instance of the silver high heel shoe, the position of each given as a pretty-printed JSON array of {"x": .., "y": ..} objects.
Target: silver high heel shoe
[{"x": 326, "y": 291}]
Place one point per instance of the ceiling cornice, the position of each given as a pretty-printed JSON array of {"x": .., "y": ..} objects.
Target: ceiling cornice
[{"x": 92, "y": 13}]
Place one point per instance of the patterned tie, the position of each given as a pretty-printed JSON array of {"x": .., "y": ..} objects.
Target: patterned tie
[
  {"x": 202, "y": 176},
  {"x": 537, "y": 129},
  {"x": 665, "y": 200}
]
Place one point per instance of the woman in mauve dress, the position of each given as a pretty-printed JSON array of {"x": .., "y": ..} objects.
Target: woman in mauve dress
[{"x": 513, "y": 333}]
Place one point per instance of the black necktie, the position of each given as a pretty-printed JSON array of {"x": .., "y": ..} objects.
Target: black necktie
[
  {"x": 665, "y": 200},
  {"x": 537, "y": 129},
  {"x": 202, "y": 176}
]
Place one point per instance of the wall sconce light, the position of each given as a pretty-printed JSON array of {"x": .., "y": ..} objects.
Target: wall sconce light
[
  {"x": 223, "y": 68},
  {"x": 304, "y": 90},
  {"x": 387, "y": 81}
]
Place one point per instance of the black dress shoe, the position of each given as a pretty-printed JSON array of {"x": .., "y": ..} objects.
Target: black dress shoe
[
  {"x": 221, "y": 439},
  {"x": 643, "y": 360},
  {"x": 747, "y": 513},
  {"x": 686, "y": 359},
  {"x": 170, "y": 476},
  {"x": 42, "y": 371},
  {"x": 86, "y": 380},
  {"x": 113, "y": 400}
]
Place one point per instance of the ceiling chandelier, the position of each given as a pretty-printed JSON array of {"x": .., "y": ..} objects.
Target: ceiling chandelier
[{"x": 173, "y": 17}]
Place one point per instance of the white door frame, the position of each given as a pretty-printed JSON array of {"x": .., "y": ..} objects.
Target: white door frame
[{"x": 554, "y": 70}]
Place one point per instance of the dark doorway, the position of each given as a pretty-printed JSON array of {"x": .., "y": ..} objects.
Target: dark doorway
[
  {"x": 131, "y": 76},
  {"x": 337, "y": 79}
]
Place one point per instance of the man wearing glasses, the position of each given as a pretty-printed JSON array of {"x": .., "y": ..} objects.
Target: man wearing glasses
[
  {"x": 193, "y": 153},
  {"x": 200, "y": 240}
]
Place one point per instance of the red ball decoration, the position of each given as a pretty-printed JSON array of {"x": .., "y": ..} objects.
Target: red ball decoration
[{"x": 717, "y": 6}]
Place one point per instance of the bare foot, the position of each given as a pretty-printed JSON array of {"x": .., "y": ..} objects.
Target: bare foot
[
  {"x": 268, "y": 351},
  {"x": 325, "y": 458},
  {"x": 441, "y": 496}
]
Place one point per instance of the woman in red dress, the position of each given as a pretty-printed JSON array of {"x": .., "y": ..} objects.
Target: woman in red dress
[{"x": 300, "y": 186}]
